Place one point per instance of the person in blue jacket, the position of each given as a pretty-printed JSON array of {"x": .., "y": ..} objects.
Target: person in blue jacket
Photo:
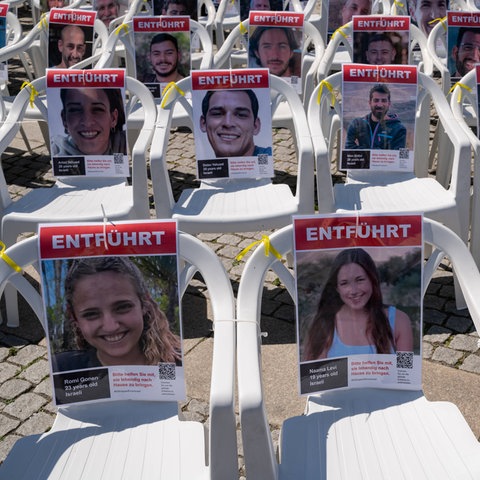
[{"x": 378, "y": 130}]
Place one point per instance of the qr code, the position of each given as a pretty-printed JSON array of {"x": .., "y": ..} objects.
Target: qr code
[
  {"x": 294, "y": 80},
  {"x": 118, "y": 158},
  {"x": 166, "y": 371},
  {"x": 404, "y": 359},
  {"x": 262, "y": 159},
  {"x": 403, "y": 153}
]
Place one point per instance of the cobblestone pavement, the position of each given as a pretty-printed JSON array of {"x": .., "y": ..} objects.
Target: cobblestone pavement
[{"x": 25, "y": 398}]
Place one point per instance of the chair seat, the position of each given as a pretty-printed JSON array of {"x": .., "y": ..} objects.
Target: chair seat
[
  {"x": 409, "y": 438},
  {"x": 234, "y": 202},
  {"x": 141, "y": 446},
  {"x": 410, "y": 195},
  {"x": 59, "y": 203}
]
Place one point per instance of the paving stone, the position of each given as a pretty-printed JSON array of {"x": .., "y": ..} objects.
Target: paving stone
[
  {"x": 12, "y": 388},
  {"x": 427, "y": 350},
  {"x": 37, "y": 423},
  {"x": 28, "y": 354},
  {"x": 436, "y": 338},
  {"x": 6, "y": 445},
  {"x": 446, "y": 355},
  {"x": 36, "y": 372},
  {"x": 459, "y": 324},
  {"x": 25, "y": 406},
  {"x": 471, "y": 364},
  {"x": 7, "y": 371},
  {"x": 7, "y": 424},
  {"x": 464, "y": 342}
]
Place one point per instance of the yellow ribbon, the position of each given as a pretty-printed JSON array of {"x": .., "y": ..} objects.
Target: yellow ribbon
[
  {"x": 399, "y": 4},
  {"x": 268, "y": 248},
  {"x": 340, "y": 31},
  {"x": 441, "y": 20},
  {"x": 243, "y": 28},
  {"x": 7, "y": 259},
  {"x": 461, "y": 85},
  {"x": 168, "y": 90},
  {"x": 121, "y": 27},
  {"x": 43, "y": 21},
  {"x": 329, "y": 86},
  {"x": 33, "y": 91}
]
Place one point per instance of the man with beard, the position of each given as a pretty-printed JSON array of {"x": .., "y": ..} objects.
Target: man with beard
[
  {"x": 378, "y": 129},
  {"x": 164, "y": 57},
  {"x": 107, "y": 10},
  {"x": 274, "y": 48},
  {"x": 71, "y": 46},
  {"x": 466, "y": 52}
]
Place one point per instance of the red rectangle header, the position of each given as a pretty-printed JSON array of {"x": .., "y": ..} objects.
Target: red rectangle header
[
  {"x": 104, "y": 239},
  {"x": 277, "y": 19},
  {"x": 227, "y": 79},
  {"x": 463, "y": 19},
  {"x": 161, "y": 24},
  {"x": 3, "y": 9},
  {"x": 380, "y": 73},
  {"x": 318, "y": 233},
  {"x": 380, "y": 23},
  {"x": 75, "y": 17},
  {"x": 68, "y": 78}
]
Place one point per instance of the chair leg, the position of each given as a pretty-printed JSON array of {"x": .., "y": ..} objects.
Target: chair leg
[{"x": 11, "y": 306}]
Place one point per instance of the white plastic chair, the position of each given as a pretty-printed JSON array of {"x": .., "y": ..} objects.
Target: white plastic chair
[
  {"x": 437, "y": 50},
  {"x": 339, "y": 51},
  {"x": 464, "y": 105},
  {"x": 226, "y": 57},
  {"x": 80, "y": 198},
  {"x": 443, "y": 197},
  {"x": 233, "y": 205},
  {"x": 226, "y": 19},
  {"x": 139, "y": 439},
  {"x": 360, "y": 433}
]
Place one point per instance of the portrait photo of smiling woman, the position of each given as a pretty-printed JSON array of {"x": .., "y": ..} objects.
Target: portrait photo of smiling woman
[
  {"x": 105, "y": 311},
  {"x": 93, "y": 121}
]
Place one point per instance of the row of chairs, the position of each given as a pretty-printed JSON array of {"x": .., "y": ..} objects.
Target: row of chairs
[{"x": 357, "y": 433}]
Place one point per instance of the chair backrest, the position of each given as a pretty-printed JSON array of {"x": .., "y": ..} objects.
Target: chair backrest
[
  {"x": 35, "y": 46},
  {"x": 125, "y": 36},
  {"x": 311, "y": 62},
  {"x": 260, "y": 459},
  {"x": 226, "y": 19},
  {"x": 464, "y": 105},
  {"x": 418, "y": 45},
  {"x": 280, "y": 91},
  {"x": 437, "y": 50},
  {"x": 138, "y": 94},
  {"x": 195, "y": 256},
  {"x": 451, "y": 153}
]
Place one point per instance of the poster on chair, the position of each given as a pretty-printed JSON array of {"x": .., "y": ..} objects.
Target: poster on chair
[
  {"x": 87, "y": 122},
  {"x": 359, "y": 301},
  {"x": 463, "y": 43},
  {"x": 275, "y": 41},
  {"x": 232, "y": 124},
  {"x": 70, "y": 37},
  {"x": 3, "y": 40},
  {"x": 381, "y": 39},
  {"x": 112, "y": 310},
  {"x": 162, "y": 51},
  {"x": 173, "y": 8},
  {"x": 378, "y": 117}
]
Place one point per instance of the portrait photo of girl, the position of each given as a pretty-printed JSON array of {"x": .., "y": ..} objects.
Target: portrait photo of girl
[
  {"x": 354, "y": 306},
  {"x": 107, "y": 311}
]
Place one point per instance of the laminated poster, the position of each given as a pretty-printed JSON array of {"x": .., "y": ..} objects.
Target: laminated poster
[
  {"x": 463, "y": 43},
  {"x": 378, "y": 117},
  {"x": 3, "y": 39},
  {"x": 359, "y": 301},
  {"x": 162, "y": 51},
  {"x": 87, "y": 122},
  {"x": 70, "y": 37},
  {"x": 232, "y": 123},
  {"x": 173, "y": 8},
  {"x": 275, "y": 41},
  {"x": 341, "y": 12},
  {"x": 112, "y": 309},
  {"x": 381, "y": 39},
  {"x": 247, "y": 6}
]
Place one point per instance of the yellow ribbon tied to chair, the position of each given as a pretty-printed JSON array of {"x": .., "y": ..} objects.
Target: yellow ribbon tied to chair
[
  {"x": 268, "y": 248},
  {"x": 33, "y": 92},
  {"x": 7, "y": 259}
]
